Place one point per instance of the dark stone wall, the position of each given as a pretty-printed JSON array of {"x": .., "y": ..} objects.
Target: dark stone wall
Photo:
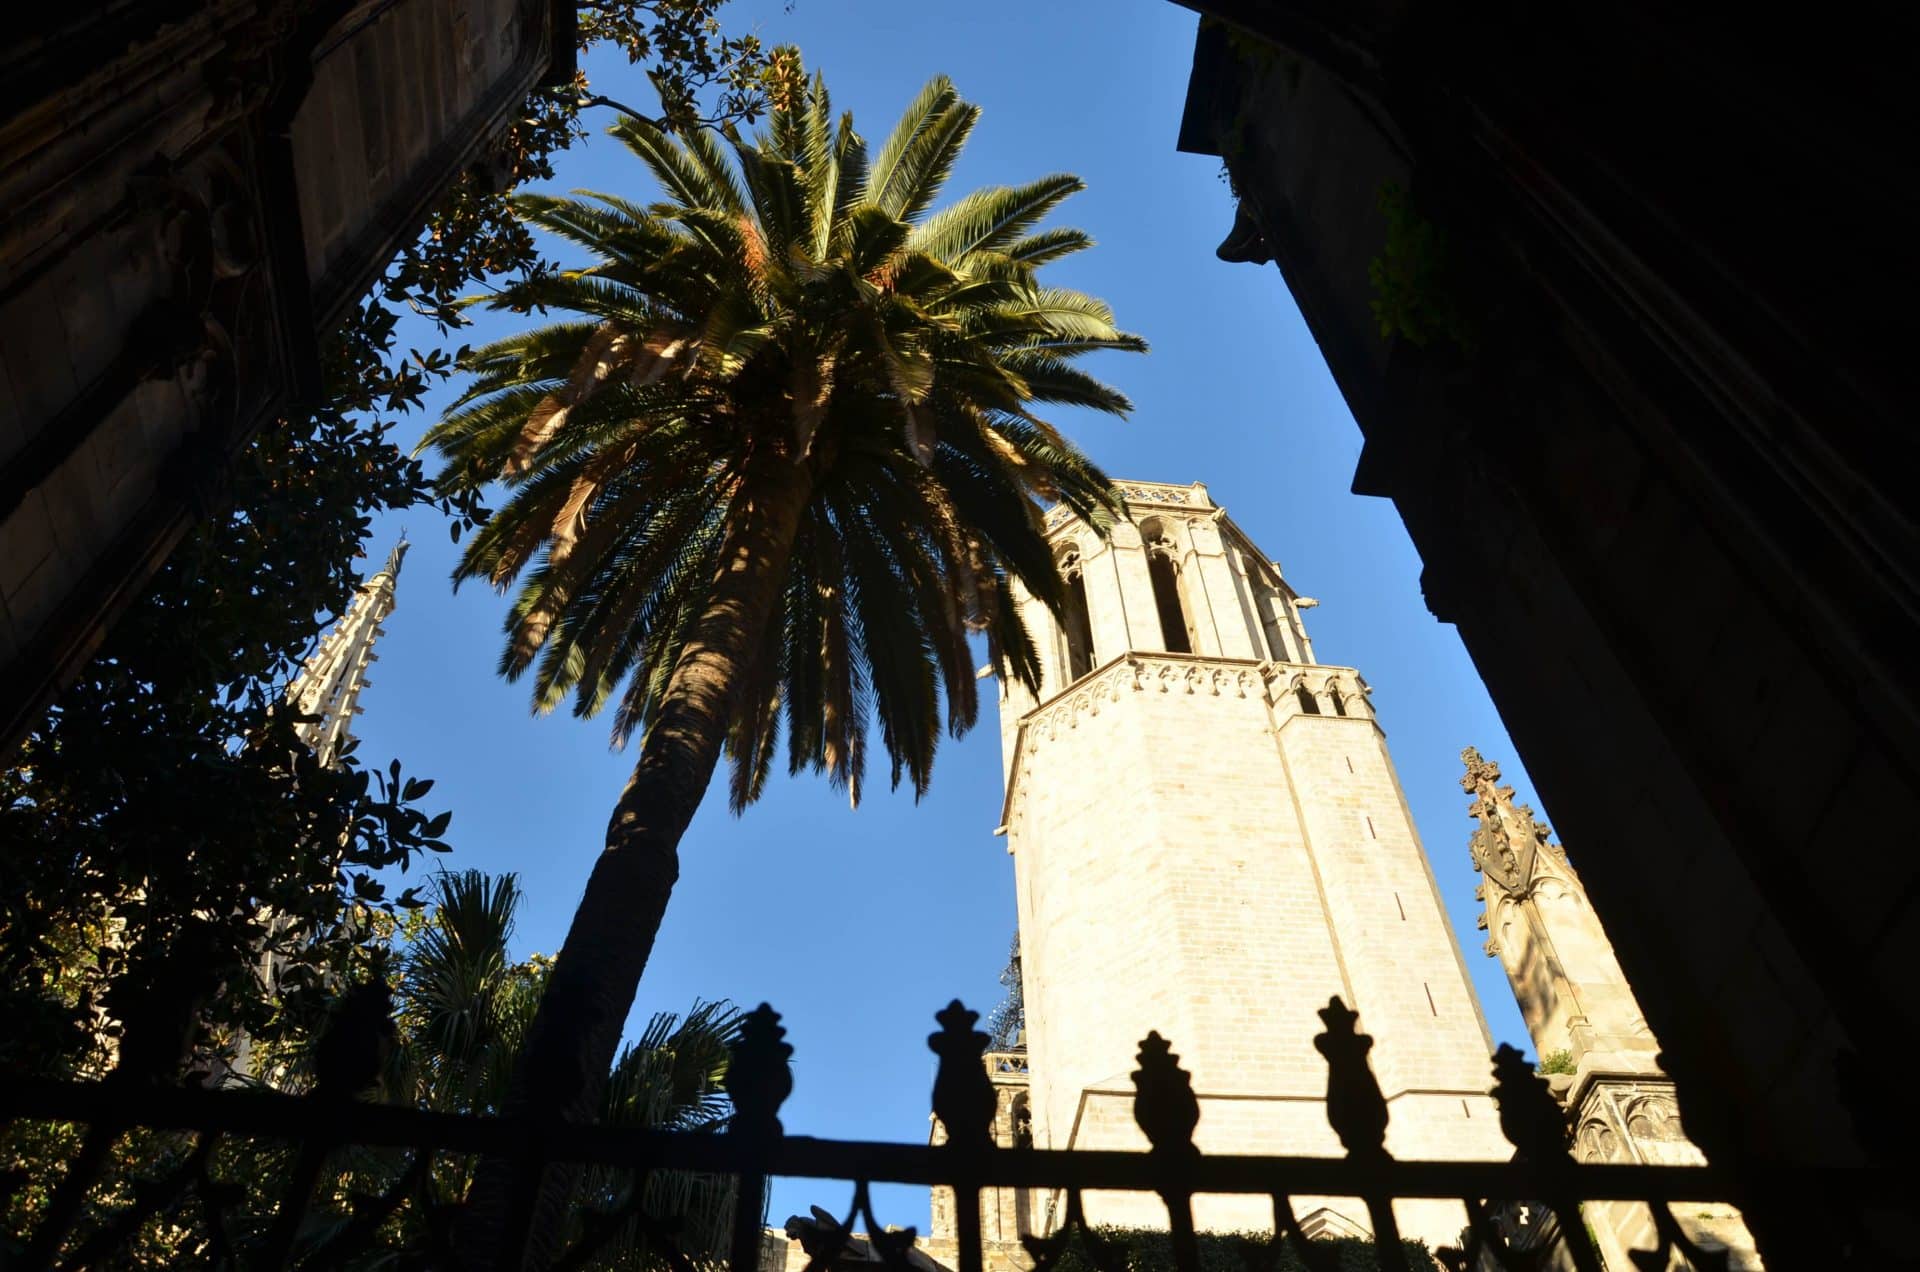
[
  {"x": 191, "y": 195},
  {"x": 1653, "y": 486}
]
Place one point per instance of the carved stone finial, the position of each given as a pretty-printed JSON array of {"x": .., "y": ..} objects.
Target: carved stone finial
[
  {"x": 1510, "y": 839},
  {"x": 1355, "y": 1107},
  {"x": 1479, "y": 771},
  {"x": 963, "y": 1097},
  {"x": 1163, "y": 1101},
  {"x": 759, "y": 1078}
]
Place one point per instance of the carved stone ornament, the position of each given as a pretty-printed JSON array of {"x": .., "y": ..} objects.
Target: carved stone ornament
[
  {"x": 1070, "y": 563},
  {"x": 1507, "y": 846}
]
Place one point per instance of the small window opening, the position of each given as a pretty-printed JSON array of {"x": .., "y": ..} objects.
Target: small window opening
[
  {"x": 1022, "y": 1123},
  {"x": 1401, "y": 907},
  {"x": 1339, "y": 707},
  {"x": 1174, "y": 634},
  {"x": 1466, "y": 1110},
  {"x": 1371, "y": 832},
  {"x": 1349, "y": 760},
  {"x": 1430, "y": 1006},
  {"x": 1307, "y": 703}
]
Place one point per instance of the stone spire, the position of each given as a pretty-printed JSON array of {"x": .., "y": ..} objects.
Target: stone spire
[
  {"x": 1621, "y": 1106},
  {"x": 1542, "y": 928},
  {"x": 328, "y": 687}
]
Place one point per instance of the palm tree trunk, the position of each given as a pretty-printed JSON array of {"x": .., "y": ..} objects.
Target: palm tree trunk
[{"x": 576, "y": 1033}]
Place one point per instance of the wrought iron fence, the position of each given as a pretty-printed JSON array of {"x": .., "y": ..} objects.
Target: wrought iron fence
[{"x": 754, "y": 1148}]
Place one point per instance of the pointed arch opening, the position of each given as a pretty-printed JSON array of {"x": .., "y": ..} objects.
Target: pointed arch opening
[
  {"x": 1176, "y": 633},
  {"x": 1076, "y": 623},
  {"x": 1308, "y": 703}
]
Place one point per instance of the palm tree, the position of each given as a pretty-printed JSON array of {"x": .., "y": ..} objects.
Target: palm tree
[
  {"x": 775, "y": 471},
  {"x": 464, "y": 1010}
]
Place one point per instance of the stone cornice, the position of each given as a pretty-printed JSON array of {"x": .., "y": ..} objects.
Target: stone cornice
[
  {"x": 1161, "y": 672},
  {"x": 1161, "y": 494}
]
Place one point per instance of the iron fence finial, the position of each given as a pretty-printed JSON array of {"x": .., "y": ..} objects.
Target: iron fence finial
[
  {"x": 963, "y": 1097},
  {"x": 1355, "y": 1108},
  {"x": 759, "y": 1079},
  {"x": 1163, "y": 1102},
  {"x": 354, "y": 1049}
]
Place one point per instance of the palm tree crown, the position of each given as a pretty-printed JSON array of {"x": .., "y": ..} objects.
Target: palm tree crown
[{"x": 788, "y": 319}]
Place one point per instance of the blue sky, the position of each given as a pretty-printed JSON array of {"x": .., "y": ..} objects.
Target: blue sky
[{"x": 859, "y": 925}]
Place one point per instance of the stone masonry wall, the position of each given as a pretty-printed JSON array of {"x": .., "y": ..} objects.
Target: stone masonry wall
[{"x": 1197, "y": 854}]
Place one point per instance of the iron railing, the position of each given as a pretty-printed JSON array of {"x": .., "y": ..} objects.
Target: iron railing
[{"x": 1541, "y": 1173}]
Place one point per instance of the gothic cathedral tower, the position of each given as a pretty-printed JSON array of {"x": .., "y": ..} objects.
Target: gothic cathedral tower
[{"x": 1209, "y": 840}]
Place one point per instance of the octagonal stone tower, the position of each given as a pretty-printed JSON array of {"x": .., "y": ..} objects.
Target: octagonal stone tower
[{"x": 1209, "y": 840}]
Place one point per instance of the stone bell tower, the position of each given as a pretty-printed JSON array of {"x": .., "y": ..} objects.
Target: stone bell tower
[{"x": 1209, "y": 840}]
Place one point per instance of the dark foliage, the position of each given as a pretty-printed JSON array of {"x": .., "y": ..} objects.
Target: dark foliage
[
  {"x": 162, "y": 830},
  {"x": 462, "y": 1006},
  {"x": 164, "y": 809}
]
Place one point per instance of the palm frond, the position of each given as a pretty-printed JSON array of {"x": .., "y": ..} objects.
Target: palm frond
[
  {"x": 916, "y": 180},
  {"x": 1047, "y": 246},
  {"x": 987, "y": 220},
  {"x": 934, "y": 100}
]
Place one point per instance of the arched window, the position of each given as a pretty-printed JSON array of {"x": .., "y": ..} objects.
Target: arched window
[
  {"x": 1308, "y": 703},
  {"x": 1022, "y": 1122},
  {"x": 1076, "y": 627},
  {"x": 1339, "y": 702},
  {"x": 1175, "y": 636}
]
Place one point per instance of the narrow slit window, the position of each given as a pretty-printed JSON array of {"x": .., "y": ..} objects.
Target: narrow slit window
[
  {"x": 1400, "y": 906},
  {"x": 1430, "y": 1007}
]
